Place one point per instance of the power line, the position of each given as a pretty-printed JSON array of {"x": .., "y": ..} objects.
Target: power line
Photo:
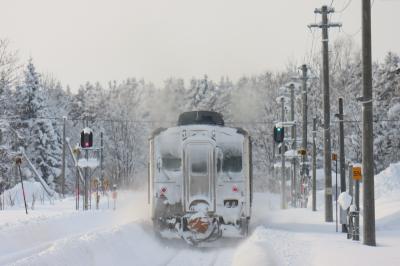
[
  {"x": 270, "y": 122},
  {"x": 352, "y": 35},
  {"x": 345, "y": 6}
]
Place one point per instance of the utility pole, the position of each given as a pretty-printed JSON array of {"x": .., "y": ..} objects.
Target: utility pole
[
  {"x": 283, "y": 172},
  {"x": 304, "y": 159},
  {"x": 304, "y": 99},
  {"x": 325, "y": 25},
  {"x": 101, "y": 161},
  {"x": 63, "y": 159},
  {"x": 314, "y": 167},
  {"x": 294, "y": 137},
  {"x": 351, "y": 185},
  {"x": 86, "y": 197},
  {"x": 367, "y": 140},
  {"x": 357, "y": 218},
  {"x": 343, "y": 213}
]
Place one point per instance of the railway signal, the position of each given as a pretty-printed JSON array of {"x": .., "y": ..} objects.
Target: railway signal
[
  {"x": 86, "y": 138},
  {"x": 279, "y": 134}
]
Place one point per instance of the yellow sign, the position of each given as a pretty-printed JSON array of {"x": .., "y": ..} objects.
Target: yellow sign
[
  {"x": 357, "y": 175},
  {"x": 302, "y": 152},
  {"x": 334, "y": 156}
]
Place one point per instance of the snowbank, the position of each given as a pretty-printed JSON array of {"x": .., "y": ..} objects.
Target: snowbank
[
  {"x": 387, "y": 182},
  {"x": 34, "y": 192}
]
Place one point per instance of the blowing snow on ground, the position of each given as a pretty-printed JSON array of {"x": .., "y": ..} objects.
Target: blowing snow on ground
[{"x": 56, "y": 234}]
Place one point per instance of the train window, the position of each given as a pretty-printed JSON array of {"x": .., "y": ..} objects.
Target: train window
[
  {"x": 171, "y": 163},
  {"x": 199, "y": 182},
  {"x": 232, "y": 163},
  {"x": 232, "y": 157},
  {"x": 199, "y": 160},
  {"x": 199, "y": 167}
]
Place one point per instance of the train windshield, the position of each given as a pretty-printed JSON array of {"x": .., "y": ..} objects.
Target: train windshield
[
  {"x": 170, "y": 152},
  {"x": 232, "y": 157},
  {"x": 199, "y": 159},
  {"x": 199, "y": 178},
  {"x": 171, "y": 163},
  {"x": 232, "y": 164}
]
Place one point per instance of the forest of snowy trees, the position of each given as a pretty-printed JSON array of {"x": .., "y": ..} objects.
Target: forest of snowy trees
[{"x": 33, "y": 104}]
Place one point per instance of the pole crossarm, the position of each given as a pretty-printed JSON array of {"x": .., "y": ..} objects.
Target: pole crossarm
[
  {"x": 327, "y": 10},
  {"x": 328, "y": 25},
  {"x": 286, "y": 124}
]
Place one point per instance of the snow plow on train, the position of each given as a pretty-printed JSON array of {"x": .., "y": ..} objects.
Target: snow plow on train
[{"x": 200, "y": 179}]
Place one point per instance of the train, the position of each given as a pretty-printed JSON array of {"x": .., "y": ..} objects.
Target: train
[{"x": 200, "y": 179}]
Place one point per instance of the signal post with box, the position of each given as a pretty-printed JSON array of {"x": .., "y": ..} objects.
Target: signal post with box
[
  {"x": 87, "y": 163},
  {"x": 354, "y": 211}
]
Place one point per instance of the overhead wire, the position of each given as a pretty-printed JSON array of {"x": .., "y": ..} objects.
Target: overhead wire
[
  {"x": 345, "y": 7},
  {"x": 352, "y": 35},
  {"x": 163, "y": 121}
]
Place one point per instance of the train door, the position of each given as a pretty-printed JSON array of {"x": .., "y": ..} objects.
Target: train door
[{"x": 199, "y": 173}]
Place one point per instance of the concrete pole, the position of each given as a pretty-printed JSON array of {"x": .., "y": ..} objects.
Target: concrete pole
[
  {"x": 273, "y": 158},
  {"x": 324, "y": 25},
  {"x": 343, "y": 213},
  {"x": 304, "y": 114},
  {"x": 63, "y": 159},
  {"x": 101, "y": 161},
  {"x": 314, "y": 167},
  {"x": 351, "y": 183},
  {"x": 283, "y": 170},
  {"x": 293, "y": 135},
  {"x": 327, "y": 119},
  {"x": 357, "y": 218},
  {"x": 341, "y": 148},
  {"x": 367, "y": 140},
  {"x": 86, "y": 186}
]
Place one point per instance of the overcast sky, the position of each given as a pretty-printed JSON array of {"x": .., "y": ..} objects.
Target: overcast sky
[{"x": 101, "y": 40}]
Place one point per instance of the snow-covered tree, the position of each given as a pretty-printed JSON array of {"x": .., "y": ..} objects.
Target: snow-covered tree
[{"x": 35, "y": 126}]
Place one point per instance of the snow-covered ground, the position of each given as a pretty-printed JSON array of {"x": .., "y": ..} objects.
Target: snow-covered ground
[{"x": 56, "y": 234}]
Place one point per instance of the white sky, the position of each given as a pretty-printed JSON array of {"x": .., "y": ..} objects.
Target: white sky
[{"x": 101, "y": 40}]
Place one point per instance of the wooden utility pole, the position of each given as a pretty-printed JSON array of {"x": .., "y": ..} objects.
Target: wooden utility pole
[
  {"x": 367, "y": 140},
  {"x": 294, "y": 137},
  {"x": 63, "y": 159},
  {"x": 351, "y": 183},
  {"x": 343, "y": 213},
  {"x": 86, "y": 185},
  {"x": 304, "y": 114},
  {"x": 283, "y": 169},
  {"x": 101, "y": 162},
  {"x": 325, "y": 25},
  {"x": 314, "y": 167}
]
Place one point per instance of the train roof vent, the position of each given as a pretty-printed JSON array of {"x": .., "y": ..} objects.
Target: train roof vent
[{"x": 200, "y": 118}]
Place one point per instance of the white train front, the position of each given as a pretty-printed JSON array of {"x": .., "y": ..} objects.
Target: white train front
[{"x": 200, "y": 179}]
